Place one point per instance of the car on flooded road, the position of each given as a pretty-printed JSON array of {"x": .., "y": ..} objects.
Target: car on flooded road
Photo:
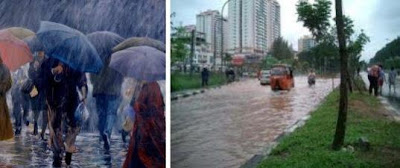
[
  {"x": 265, "y": 77},
  {"x": 281, "y": 77}
]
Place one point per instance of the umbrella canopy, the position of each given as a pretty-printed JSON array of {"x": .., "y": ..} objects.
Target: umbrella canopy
[
  {"x": 14, "y": 52},
  {"x": 142, "y": 63},
  {"x": 104, "y": 42},
  {"x": 140, "y": 41},
  {"x": 34, "y": 44},
  {"x": 69, "y": 46},
  {"x": 20, "y": 32}
]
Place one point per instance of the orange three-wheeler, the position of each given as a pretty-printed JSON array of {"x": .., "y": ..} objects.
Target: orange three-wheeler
[{"x": 281, "y": 77}]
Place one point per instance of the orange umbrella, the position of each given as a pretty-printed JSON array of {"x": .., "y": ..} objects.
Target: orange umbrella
[{"x": 13, "y": 51}]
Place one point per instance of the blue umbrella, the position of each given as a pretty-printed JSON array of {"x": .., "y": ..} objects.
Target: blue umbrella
[
  {"x": 104, "y": 42},
  {"x": 69, "y": 46},
  {"x": 34, "y": 44},
  {"x": 141, "y": 63}
]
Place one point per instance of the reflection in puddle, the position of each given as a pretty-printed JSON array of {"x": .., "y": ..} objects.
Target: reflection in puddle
[{"x": 30, "y": 150}]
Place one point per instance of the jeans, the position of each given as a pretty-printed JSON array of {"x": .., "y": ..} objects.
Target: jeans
[
  {"x": 107, "y": 107},
  {"x": 20, "y": 103}
]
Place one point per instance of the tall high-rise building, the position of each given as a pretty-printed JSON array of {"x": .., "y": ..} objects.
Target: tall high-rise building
[
  {"x": 253, "y": 25},
  {"x": 209, "y": 23},
  {"x": 274, "y": 22}
]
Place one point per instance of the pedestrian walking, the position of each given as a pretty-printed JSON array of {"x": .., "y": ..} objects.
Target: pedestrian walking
[
  {"x": 204, "y": 77},
  {"x": 61, "y": 84},
  {"x": 147, "y": 143},
  {"x": 20, "y": 101},
  {"x": 373, "y": 75},
  {"x": 392, "y": 79},
  {"x": 6, "y": 130},
  {"x": 381, "y": 79},
  {"x": 107, "y": 92},
  {"x": 38, "y": 102}
]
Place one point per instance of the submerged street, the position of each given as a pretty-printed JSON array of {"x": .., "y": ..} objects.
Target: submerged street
[{"x": 225, "y": 127}]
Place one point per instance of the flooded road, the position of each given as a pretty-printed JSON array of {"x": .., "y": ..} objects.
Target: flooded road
[
  {"x": 225, "y": 127},
  {"x": 30, "y": 150}
]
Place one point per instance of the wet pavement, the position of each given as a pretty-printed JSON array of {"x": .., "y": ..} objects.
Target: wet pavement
[
  {"x": 227, "y": 126},
  {"x": 389, "y": 96},
  {"x": 27, "y": 150}
]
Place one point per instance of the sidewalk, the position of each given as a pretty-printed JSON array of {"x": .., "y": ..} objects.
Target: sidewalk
[{"x": 186, "y": 93}]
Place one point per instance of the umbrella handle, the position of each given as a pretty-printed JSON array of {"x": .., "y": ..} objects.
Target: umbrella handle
[{"x": 57, "y": 78}]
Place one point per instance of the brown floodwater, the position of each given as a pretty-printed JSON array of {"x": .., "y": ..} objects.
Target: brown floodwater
[{"x": 225, "y": 127}]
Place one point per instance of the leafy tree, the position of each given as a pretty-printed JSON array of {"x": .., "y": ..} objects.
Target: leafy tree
[
  {"x": 281, "y": 50},
  {"x": 268, "y": 61},
  {"x": 315, "y": 17},
  {"x": 179, "y": 49},
  {"x": 331, "y": 43},
  {"x": 354, "y": 49},
  {"x": 390, "y": 51}
]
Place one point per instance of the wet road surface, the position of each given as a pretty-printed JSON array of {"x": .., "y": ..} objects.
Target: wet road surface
[
  {"x": 390, "y": 96},
  {"x": 225, "y": 127},
  {"x": 28, "y": 150}
]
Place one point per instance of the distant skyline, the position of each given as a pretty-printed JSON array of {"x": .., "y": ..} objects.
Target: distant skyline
[{"x": 379, "y": 19}]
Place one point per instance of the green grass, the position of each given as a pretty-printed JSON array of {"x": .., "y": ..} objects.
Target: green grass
[
  {"x": 310, "y": 145},
  {"x": 180, "y": 81}
]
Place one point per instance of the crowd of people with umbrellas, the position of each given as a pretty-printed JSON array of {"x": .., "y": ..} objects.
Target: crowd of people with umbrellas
[{"x": 56, "y": 88}]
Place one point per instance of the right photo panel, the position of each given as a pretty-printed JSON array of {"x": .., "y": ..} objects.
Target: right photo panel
[{"x": 284, "y": 83}]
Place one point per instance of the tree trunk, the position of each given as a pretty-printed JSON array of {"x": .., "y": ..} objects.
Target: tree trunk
[
  {"x": 192, "y": 45},
  {"x": 342, "y": 116},
  {"x": 350, "y": 81}
]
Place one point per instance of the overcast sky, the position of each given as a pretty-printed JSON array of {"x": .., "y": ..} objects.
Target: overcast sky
[{"x": 380, "y": 19}]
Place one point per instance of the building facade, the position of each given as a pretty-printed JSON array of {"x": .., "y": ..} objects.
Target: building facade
[
  {"x": 273, "y": 22},
  {"x": 209, "y": 23},
  {"x": 253, "y": 25},
  {"x": 305, "y": 43}
]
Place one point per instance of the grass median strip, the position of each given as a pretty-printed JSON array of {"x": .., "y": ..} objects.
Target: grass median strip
[
  {"x": 180, "y": 81},
  {"x": 309, "y": 146}
]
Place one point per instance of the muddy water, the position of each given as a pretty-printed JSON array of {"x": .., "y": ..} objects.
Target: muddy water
[
  {"x": 28, "y": 151},
  {"x": 227, "y": 126}
]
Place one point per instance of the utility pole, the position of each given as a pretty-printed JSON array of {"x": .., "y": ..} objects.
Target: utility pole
[
  {"x": 240, "y": 26},
  {"x": 192, "y": 50},
  {"x": 215, "y": 42}
]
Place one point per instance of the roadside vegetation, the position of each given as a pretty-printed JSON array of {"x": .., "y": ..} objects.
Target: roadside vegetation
[
  {"x": 310, "y": 145},
  {"x": 182, "y": 81}
]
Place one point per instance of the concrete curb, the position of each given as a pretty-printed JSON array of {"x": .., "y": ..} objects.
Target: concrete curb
[
  {"x": 256, "y": 159},
  {"x": 186, "y": 94},
  {"x": 190, "y": 93}
]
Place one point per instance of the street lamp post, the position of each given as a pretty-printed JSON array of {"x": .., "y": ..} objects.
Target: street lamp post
[{"x": 222, "y": 35}]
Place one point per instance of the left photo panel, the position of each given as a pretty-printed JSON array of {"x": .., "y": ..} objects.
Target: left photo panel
[{"x": 82, "y": 83}]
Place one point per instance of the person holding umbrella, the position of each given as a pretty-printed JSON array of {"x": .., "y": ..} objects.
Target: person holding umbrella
[
  {"x": 20, "y": 101},
  {"x": 6, "y": 130},
  {"x": 60, "y": 83},
  {"x": 70, "y": 55},
  {"x": 147, "y": 142},
  {"x": 13, "y": 54},
  {"x": 106, "y": 85},
  {"x": 38, "y": 102}
]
